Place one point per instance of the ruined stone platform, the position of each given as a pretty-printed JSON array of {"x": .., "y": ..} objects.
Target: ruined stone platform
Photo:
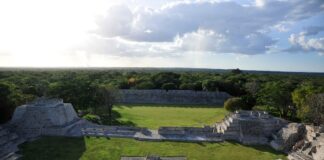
[
  {"x": 44, "y": 117},
  {"x": 249, "y": 127}
]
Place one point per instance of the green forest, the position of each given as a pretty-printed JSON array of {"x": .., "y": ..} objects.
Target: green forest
[{"x": 297, "y": 97}]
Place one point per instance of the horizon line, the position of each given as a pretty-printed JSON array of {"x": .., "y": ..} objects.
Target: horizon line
[{"x": 194, "y": 68}]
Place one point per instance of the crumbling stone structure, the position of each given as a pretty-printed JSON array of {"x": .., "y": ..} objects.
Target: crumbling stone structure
[
  {"x": 172, "y": 97},
  {"x": 44, "y": 117},
  {"x": 250, "y": 127},
  {"x": 53, "y": 117},
  {"x": 300, "y": 142}
]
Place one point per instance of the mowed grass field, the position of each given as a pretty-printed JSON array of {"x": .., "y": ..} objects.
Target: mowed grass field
[
  {"x": 61, "y": 148},
  {"x": 154, "y": 116}
]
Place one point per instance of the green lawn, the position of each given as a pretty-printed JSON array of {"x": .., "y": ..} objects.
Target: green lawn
[
  {"x": 60, "y": 148},
  {"x": 154, "y": 116}
]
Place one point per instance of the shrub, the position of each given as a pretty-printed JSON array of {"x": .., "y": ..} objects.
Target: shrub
[
  {"x": 233, "y": 104},
  {"x": 187, "y": 86},
  {"x": 248, "y": 102},
  {"x": 169, "y": 86},
  {"x": 92, "y": 118},
  {"x": 145, "y": 85}
]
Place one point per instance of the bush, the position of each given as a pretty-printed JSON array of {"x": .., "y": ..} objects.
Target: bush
[
  {"x": 145, "y": 85},
  {"x": 92, "y": 118},
  {"x": 187, "y": 86},
  {"x": 169, "y": 86},
  {"x": 248, "y": 101},
  {"x": 233, "y": 104}
]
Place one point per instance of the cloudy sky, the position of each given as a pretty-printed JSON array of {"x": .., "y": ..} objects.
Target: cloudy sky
[{"x": 284, "y": 35}]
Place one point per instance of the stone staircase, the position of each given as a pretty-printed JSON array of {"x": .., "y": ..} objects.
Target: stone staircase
[
  {"x": 229, "y": 128},
  {"x": 9, "y": 142}
]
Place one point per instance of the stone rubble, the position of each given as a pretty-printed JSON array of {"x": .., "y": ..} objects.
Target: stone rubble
[
  {"x": 310, "y": 146},
  {"x": 9, "y": 142}
]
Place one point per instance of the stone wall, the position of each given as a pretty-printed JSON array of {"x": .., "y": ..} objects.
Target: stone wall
[
  {"x": 185, "y": 130},
  {"x": 173, "y": 97}
]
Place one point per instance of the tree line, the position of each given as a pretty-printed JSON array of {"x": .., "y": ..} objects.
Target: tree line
[{"x": 296, "y": 97}]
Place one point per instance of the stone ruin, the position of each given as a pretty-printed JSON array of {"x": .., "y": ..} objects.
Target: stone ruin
[
  {"x": 156, "y": 96},
  {"x": 250, "y": 127},
  {"x": 44, "y": 117},
  {"x": 55, "y": 118},
  {"x": 300, "y": 142}
]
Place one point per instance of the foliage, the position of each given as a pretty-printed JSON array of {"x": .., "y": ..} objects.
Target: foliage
[
  {"x": 187, "y": 86},
  {"x": 248, "y": 102},
  {"x": 168, "y": 86},
  {"x": 236, "y": 71},
  {"x": 106, "y": 97},
  {"x": 145, "y": 85},
  {"x": 80, "y": 87},
  {"x": 277, "y": 95},
  {"x": 316, "y": 105},
  {"x": 92, "y": 118},
  {"x": 300, "y": 97},
  {"x": 233, "y": 104},
  {"x": 166, "y": 78},
  {"x": 5, "y": 108}
]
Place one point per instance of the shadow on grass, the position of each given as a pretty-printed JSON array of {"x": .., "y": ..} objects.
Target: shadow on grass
[
  {"x": 262, "y": 148},
  {"x": 115, "y": 120},
  {"x": 53, "y": 148}
]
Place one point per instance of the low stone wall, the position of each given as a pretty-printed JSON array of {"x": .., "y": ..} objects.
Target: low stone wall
[
  {"x": 173, "y": 97},
  {"x": 185, "y": 130}
]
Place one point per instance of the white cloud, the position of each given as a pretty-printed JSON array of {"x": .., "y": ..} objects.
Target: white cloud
[
  {"x": 45, "y": 31},
  {"x": 236, "y": 28},
  {"x": 300, "y": 43}
]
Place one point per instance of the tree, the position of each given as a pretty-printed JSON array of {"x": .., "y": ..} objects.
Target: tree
[
  {"x": 210, "y": 85},
  {"x": 252, "y": 87},
  {"x": 278, "y": 96},
  {"x": 316, "y": 105},
  {"x": 106, "y": 97},
  {"x": 236, "y": 71},
  {"x": 169, "y": 86},
  {"x": 145, "y": 85},
  {"x": 300, "y": 96},
  {"x": 187, "y": 86},
  {"x": 233, "y": 104},
  {"x": 166, "y": 77},
  {"x": 4, "y": 102}
]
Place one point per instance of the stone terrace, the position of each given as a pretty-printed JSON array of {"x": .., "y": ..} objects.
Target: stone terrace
[{"x": 9, "y": 142}]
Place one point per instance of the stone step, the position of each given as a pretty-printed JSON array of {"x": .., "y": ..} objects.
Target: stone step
[
  {"x": 11, "y": 156},
  {"x": 298, "y": 156},
  {"x": 8, "y": 148},
  {"x": 8, "y": 138}
]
